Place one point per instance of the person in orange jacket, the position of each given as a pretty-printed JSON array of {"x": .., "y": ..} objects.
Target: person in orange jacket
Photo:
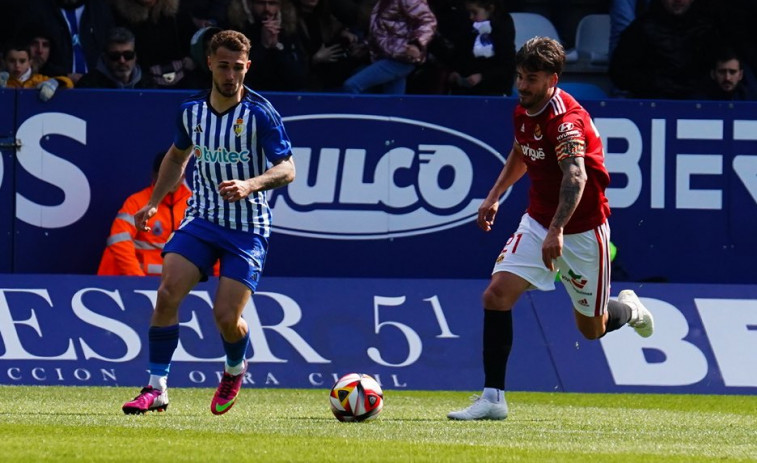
[{"x": 133, "y": 252}]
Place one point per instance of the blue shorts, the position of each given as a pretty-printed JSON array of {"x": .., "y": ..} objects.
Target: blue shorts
[{"x": 242, "y": 254}]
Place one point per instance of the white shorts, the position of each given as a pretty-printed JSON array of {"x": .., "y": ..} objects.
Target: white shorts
[{"x": 584, "y": 265}]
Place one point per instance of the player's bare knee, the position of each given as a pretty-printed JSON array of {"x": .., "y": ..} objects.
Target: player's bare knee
[
  {"x": 168, "y": 295},
  {"x": 225, "y": 321},
  {"x": 495, "y": 298}
]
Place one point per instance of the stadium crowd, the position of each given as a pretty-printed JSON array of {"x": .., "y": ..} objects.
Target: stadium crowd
[{"x": 669, "y": 49}]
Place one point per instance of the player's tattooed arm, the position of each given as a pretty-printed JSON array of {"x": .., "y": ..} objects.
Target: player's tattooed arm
[
  {"x": 570, "y": 155},
  {"x": 278, "y": 175},
  {"x": 572, "y": 185}
]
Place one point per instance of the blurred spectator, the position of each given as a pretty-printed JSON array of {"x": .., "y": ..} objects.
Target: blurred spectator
[
  {"x": 663, "y": 53},
  {"x": 354, "y": 14},
  {"x": 726, "y": 80},
  {"x": 446, "y": 51},
  {"x": 76, "y": 29},
  {"x": 333, "y": 52},
  {"x": 563, "y": 14},
  {"x": 10, "y": 12},
  {"x": 19, "y": 74},
  {"x": 130, "y": 251},
  {"x": 399, "y": 33},
  {"x": 278, "y": 62},
  {"x": 163, "y": 34},
  {"x": 117, "y": 66},
  {"x": 199, "y": 49},
  {"x": 736, "y": 20},
  {"x": 622, "y": 13},
  {"x": 207, "y": 13},
  {"x": 489, "y": 66},
  {"x": 40, "y": 49},
  {"x": 41, "y": 45}
]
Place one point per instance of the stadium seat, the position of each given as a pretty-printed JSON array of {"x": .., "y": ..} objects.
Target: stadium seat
[
  {"x": 529, "y": 25},
  {"x": 593, "y": 38}
]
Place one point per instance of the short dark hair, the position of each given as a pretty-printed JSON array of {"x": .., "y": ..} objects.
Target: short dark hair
[
  {"x": 34, "y": 30},
  {"x": 496, "y": 7},
  {"x": 726, "y": 53},
  {"x": 120, "y": 35},
  {"x": 17, "y": 45},
  {"x": 541, "y": 54},
  {"x": 231, "y": 40}
]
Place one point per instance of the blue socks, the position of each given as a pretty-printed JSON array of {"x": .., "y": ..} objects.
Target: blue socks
[
  {"x": 163, "y": 341},
  {"x": 236, "y": 351}
]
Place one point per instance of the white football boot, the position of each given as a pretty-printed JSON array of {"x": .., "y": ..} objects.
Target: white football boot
[
  {"x": 641, "y": 318},
  {"x": 481, "y": 409}
]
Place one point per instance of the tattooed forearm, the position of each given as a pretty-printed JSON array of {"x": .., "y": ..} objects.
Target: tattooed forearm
[
  {"x": 277, "y": 176},
  {"x": 571, "y": 189}
]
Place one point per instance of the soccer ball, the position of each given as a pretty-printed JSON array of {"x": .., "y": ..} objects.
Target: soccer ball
[{"x": 356, "y": 397}]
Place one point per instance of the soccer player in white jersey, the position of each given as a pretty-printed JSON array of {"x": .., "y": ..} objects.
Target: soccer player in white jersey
[
  {"x": 240, "y": 150},
  {"x": 564, "y": 228}
]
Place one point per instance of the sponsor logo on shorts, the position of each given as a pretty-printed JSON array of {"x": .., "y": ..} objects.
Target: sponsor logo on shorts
[
  {"x": 577, "y": 281},
  {"x": 583, "y": 302}
]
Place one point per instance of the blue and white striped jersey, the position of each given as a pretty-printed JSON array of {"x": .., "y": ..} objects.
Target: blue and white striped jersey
[{"x": 238, "y": 144}]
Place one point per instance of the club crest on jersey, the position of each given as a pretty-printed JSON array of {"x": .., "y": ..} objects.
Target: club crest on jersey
[
  {"x": 537, "y": 132},
  {"x": 239, "y": 127}
]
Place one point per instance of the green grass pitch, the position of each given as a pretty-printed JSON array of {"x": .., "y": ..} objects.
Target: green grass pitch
[{"x": 294, "y": 425}]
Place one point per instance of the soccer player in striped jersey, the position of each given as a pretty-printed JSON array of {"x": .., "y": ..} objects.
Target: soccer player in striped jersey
[
  {"x": 565, "y": 227},
  {"x": 240, "y": 150}
]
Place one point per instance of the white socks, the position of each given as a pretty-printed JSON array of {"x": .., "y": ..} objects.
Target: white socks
[
  {"x": 493, "y": 395},
  {"x": 235, "y": 370},
  {"x": 159, "y": 382}
]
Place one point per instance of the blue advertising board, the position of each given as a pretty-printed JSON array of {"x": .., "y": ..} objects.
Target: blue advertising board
[
  {"x": 684, "y": 188},
  {"x": 82, "y": 154},
  {"x": 7, "y": 187},
  {"x": 703, "y": 342},
  {"x": 421, "y": 334},
  {"x": 388, "y": 187}
]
